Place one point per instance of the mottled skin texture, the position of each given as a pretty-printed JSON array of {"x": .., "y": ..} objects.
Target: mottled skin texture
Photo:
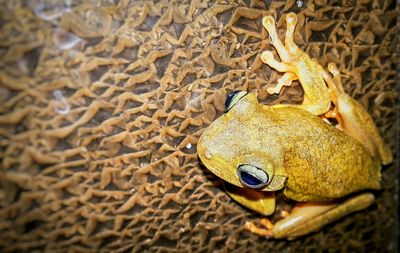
[
  {"x": 353, "y": 118},
  {"x": 313, "y": 162},
  {"x": 319, "y": 161}
]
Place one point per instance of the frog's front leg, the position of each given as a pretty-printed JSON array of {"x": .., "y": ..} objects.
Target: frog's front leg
[
  {"x": 309, "y": 217},
  {"x": 285, "y": 80},
  {"x": 298, "y": 65},
  {"x": 260, "y": 201},
  {"x": 353, "y": 118}
]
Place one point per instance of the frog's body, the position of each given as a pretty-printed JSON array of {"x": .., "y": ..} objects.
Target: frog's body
[
  {"x": 319, "y": 161},
  {"x": 260, "y": 149}
]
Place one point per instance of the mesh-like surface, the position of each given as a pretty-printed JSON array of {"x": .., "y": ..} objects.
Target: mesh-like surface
[{"x": 112, "y": 165}]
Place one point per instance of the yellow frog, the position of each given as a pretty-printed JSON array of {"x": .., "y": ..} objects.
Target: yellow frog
[{"x": 259, "y": 149}]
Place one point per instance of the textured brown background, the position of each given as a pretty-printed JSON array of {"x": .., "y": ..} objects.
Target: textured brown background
[{"x": 117, "y": 173}]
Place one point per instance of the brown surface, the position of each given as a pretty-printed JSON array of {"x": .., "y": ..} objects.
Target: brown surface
[{"x": 116, "y": 172}]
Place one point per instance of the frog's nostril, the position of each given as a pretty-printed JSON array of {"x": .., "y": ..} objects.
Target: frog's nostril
[
  {"x": 251, "y": 176},
  {"x": 207, "y": 154}
]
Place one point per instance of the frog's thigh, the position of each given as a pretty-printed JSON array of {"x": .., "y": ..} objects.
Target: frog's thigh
[
  {"x": 353, "y": 118},
  {"x": 309, "y": 217},
  {"x": 285, "y": 80},
  {"x": 259, "y": 201}
]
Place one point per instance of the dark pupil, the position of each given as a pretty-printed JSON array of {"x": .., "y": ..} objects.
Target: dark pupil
[
  {"x": 249, "y": 179},
  {"x": 229, "y": 99}
]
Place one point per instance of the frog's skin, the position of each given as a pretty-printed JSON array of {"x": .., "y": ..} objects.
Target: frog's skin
[
  {"x": 352, "y": 117},
  {"x": 325, "y": 168},
  {"x": 297, "y": 65}
]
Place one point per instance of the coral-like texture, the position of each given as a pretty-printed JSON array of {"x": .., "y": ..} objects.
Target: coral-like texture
[{"x": 102, "y": 104}]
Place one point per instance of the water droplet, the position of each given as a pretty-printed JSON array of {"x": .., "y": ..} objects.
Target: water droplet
[
  {"x": 299, "y": 3},
  {"x": 23, "y": 65},
  {"x": 49, "y": 10},
  {"x": 65, "y": 40},
  {"x": 67, "y": 5},
  {"x": 270, "y": 38},
  {"x": 62, "y": 107}
]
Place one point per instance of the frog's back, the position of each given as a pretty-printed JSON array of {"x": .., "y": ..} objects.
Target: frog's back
[{"x": 322, "y": 162}]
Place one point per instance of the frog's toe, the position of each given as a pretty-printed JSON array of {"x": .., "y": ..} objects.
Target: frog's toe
[
  {"x": 335, "y": 86},
  {"x": 336, "y": 76},
  {"x": 267, "y": 223},
  {"x": 285, "y": 80},
  {"x": 268, "y": 22},
  {"x": 250, "y": 226},
  {"x": 268, "y": 58},
  {"x": 333, "y": 69},
  {"x": 291, "y": 19}
]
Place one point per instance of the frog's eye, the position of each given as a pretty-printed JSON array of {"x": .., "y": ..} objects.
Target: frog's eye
[
  {"x": 251, "y": 176},
  {"x": 233, "y": 98}
]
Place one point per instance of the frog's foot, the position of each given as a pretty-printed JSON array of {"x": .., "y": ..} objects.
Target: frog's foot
[
  {"x": 299, "y": 65},
  {"x": 308, "y": 217},
  {"x": 336, "y": 91},
  {"x": 284, "y": 51},
  {"x": 266, "y": 232},
  {"x": 333, "y": 114},
  {"x": 353, "y": 118},
  {"x": 285, "y": 80},
  {"x": 335, "y": 86}
]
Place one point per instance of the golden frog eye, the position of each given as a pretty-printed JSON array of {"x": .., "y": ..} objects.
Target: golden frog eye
[
  {"x": 252, "y": 177},
  {"x": 233, "y": 98}
]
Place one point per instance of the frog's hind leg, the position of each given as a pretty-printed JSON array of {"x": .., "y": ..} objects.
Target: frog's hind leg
[
  {"x": 335, "y": 86},
  {"x": 308, "y": 217},
  {"x": 353, "y": 118}
]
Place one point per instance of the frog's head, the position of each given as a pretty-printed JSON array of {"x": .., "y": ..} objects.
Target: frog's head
[{"x": 235, "y": 146}]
